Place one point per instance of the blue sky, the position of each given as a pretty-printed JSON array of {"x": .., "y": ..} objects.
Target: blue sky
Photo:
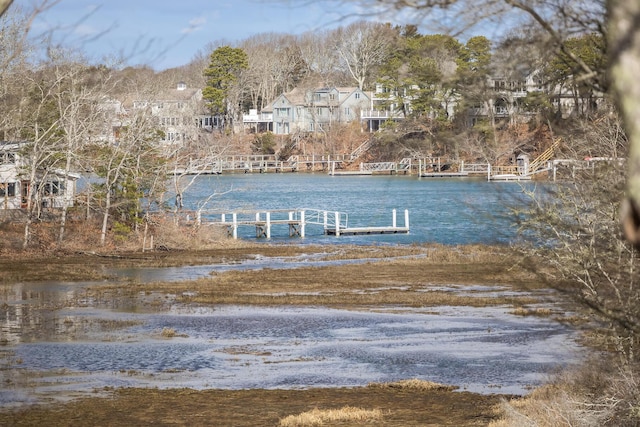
[{"x": 168, "y": 33}]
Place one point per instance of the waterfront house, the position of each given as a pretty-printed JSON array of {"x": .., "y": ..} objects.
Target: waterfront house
[
  {"x": 308, "y": 111},
  {"x": 56, "y": 189}
]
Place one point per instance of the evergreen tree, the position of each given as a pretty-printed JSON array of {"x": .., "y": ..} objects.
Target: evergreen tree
[{"x": 225, "y": 67}]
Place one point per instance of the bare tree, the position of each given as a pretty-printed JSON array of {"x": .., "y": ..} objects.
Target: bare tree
[
  {"x": 319, "y": 57},
  {"x": 275, "y": 66},
  {"x": 79, "y": 91},
  {"x": 363, "y": 46}
]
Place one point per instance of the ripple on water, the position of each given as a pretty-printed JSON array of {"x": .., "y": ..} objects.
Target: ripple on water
[{"x": 478, "y": 349}]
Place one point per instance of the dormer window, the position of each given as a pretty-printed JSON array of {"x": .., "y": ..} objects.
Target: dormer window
[{"x": 182, "y": 86}]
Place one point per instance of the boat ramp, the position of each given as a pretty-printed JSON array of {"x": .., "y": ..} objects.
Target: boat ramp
[{"x": 296, "y": 221}]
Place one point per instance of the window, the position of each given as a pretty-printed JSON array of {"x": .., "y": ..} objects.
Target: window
[
  {"x": 8, "y": 189},
  {"x": 357, "y": 95},
  {"x": 347, "y": 111},
  {"x": 282, "y": 112},
  {"x": 172, "y": 136},
  {"x": 53, "y": 188},
  {"x": 311, "y": 127}
]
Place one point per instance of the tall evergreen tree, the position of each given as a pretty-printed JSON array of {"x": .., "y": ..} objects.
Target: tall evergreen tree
[{"x": 225, "y": 67}]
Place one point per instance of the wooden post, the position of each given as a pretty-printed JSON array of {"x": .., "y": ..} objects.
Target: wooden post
[
  {"x": 235, "y": 225},
  {"x": 325, "y": 214},
  {"x": 393, "y": 215},
  {"x": 301, "y": 223},
  {"x": 488, "y": 172},
  {"x": 406, "y": 219},
  {"x": 292, "y": 225},
  {"x": 337, "y": 218},
  {"x": 199, "y": 217},
  {"x": 222, "y": 218},
  {"x": 268, "y": 224}
]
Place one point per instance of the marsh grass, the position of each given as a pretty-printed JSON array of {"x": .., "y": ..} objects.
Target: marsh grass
[
  {"x": 320, "y": 417},
  {"x": 537, "y": 311},
  {"x": 414, "y": 384},
  {"x": 398, "y": 280},
  {"x": 171, "y": 333}
]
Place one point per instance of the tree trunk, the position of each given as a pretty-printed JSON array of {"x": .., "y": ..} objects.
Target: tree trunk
[
  {"x": 63, "y": 216},
  {"x": 624, "y": 42},
  {"x": 105, "y": 216}
]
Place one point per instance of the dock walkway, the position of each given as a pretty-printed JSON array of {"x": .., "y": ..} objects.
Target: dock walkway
[{"x": 296, "y": 220}]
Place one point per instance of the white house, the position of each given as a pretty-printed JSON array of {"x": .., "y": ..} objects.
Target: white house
[{"x": 56, "y": 189}]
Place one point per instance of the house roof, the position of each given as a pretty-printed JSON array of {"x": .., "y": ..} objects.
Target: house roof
[{"x": 299, "y": 97}]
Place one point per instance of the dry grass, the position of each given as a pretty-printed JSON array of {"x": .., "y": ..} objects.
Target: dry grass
[
  {"x": 597, "y": 393},
  {"x": 414, "y": 385},
  {"x": 538, "y": 311},
  {"x": 257, "y": 407},
  {"x": 320, "y": 417},
  {"x": 171, "y": 333},
  {"x": 168, "y": 332}
]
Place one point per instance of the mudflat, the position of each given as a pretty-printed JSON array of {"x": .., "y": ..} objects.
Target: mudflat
[{"x": 382, "y": 276}]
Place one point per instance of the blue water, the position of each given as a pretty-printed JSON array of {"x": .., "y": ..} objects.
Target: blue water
[{"x": 447, "y": 211}]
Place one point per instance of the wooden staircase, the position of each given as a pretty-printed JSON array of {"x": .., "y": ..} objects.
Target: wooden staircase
[{"x": 538, "y": 163}]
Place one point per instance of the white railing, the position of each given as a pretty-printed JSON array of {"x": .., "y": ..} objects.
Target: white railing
[
  {"x": 378, "y": 167},
  {"x": 379, "y": 114},
  {"x": 264, "y": 220}
]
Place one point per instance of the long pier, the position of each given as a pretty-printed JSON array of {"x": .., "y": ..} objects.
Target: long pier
[{"x": 332, "y": 222}]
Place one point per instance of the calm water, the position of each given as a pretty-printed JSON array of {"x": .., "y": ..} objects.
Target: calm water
[
  {"x": 447, "y": 211},
  {"x": 61, "y": 342}
]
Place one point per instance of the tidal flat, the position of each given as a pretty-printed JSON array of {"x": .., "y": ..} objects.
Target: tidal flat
[{"x": 324, "y": 325}]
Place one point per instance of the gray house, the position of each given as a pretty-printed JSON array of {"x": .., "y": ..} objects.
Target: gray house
[{"x": 314, "y": 110}]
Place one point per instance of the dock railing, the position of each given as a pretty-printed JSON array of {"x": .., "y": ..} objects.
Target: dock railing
[
  {"x": 264, "y": 220},
  {"x": 333, "y": 222}
]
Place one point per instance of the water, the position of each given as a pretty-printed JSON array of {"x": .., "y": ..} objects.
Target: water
[
  {"x": 235, "y": 347},
  {"x": 447, "y": 211},
  {"x": 61, "y": 342}
]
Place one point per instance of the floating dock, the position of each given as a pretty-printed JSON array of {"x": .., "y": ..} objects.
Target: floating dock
[
  {"x": 353, "y": 231},
  {"x": 338, "y": 173},
  {"x": 444, "y": 174},
  {"x": 510, "y": 177}
]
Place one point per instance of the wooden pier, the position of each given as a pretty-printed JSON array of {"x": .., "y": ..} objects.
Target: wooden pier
[
  {"x": 296, "y": 221},
  {"x": 353, "y": 231}
]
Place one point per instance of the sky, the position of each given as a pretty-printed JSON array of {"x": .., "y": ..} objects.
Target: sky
[{"x": 169, "y": 33}]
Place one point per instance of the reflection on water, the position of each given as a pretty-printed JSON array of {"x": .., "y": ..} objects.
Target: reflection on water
[{"x": 76, "y": 346}]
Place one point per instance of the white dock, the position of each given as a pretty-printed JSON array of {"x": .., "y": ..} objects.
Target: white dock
[
  {"x": 339, "y": 173},
  {"x": 296, "y": 221},
  {"x": 444, "y": 174},
  {"x": 353, "y": 231}
]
